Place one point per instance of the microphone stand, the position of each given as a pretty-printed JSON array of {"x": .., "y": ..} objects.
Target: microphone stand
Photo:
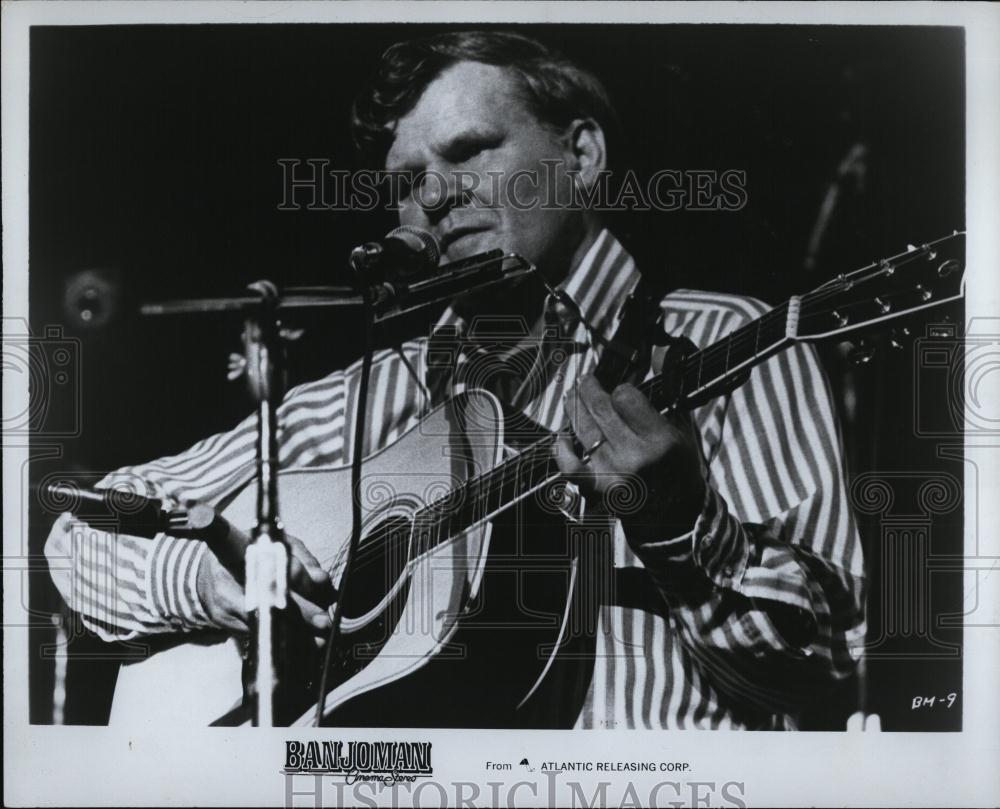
[
  {"x": 267, "y": 555},
  {"x": 270, "y": 609}
]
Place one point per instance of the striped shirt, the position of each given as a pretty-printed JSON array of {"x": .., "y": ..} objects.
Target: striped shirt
[{"x": 775, "y": 546}]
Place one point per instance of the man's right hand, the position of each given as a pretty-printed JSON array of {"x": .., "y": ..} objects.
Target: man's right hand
[{"x": 224, "y": 600}]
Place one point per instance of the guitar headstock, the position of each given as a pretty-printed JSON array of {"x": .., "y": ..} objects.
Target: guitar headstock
[{"x": 925, "y": 276}]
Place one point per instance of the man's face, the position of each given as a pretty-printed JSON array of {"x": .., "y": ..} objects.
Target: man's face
[{"x": 471, "y": 129}]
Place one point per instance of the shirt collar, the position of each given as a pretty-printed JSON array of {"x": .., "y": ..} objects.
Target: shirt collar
[{"x": 598, "y": 285}]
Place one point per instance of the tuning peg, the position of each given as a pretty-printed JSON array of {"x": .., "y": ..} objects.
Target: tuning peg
[
  {"x": 845, "y": 282},
  {"x": 897, "y": 337},
  {"x": 861, "y": 353},
  {"x": 947, "y": 268},
  {"x": 237, "y": 367},
  {"x": 925, "y": 294},
  {"x": 839, "y": 319}
]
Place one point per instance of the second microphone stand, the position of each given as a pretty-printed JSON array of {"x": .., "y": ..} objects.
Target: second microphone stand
[{"x": 267, "y": 555}]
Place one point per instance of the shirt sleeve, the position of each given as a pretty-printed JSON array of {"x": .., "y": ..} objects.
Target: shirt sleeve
[
  {"x": 124, "y": 586},
  {"x": 767, "y": 589}
]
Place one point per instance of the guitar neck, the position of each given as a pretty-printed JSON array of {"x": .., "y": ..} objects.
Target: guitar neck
[
  {"x": 719, "y": 367},
  {"x": 913, "y": 281},
  {"x": 702, "y": 374}
]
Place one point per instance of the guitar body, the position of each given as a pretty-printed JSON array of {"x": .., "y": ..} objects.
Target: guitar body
[
  {"x": 463, "y": 634},
  {"x": 491, "y": 627},
  {"x": 521, "y": 654}
]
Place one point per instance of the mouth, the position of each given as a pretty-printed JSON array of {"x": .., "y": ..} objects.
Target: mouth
[{"x": 455, "y": 235}]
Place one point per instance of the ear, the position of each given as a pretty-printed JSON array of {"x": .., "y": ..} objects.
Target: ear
[{"x": 588, "y": 151}]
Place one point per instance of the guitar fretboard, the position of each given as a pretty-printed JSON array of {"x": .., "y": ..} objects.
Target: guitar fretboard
[
  {"x": 915, "y": 280},
  {"x": 699, "y": 373}
]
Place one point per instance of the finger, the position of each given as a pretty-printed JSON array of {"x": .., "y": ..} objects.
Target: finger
[
  {"x": 232, "y": 604},
  {"x": 234, "y": 624},
  {"x": 636, "y": 410},
  {"x": 307, "y": 577},
  {"x": 582, "y": 423},
  {"x": 568, "y": 461},
  {"x": 302, "y": 582},
  {"x": 305, "y": 556},
  {"x": 598, "y": 403},
  {"x": 317, "y": 618}
]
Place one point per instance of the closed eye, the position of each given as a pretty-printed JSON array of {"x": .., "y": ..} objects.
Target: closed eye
[{"x": 464, "y": 147}]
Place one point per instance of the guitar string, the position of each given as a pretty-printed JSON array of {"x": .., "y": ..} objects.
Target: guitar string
[
  {"x": 428, "y": 524},
  {"x": 521, "y": 471},
  {"x": 470, "y": 501},
  {"x": 498, "y": 478},
  {"x": 511, "y": 472},
  {"x": 854, "y": 279}
]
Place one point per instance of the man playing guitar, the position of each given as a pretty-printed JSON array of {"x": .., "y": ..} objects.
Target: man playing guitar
[{"x": 739, "y": 592}]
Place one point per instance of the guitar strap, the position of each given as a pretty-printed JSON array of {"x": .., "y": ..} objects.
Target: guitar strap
[
  {"x": 624, "y": 358},
  {"x": 626, "y": 355}
]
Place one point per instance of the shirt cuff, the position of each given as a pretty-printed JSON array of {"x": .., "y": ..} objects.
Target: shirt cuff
[
  {"x": 721, "y": 546},
  {"x": 717, "y": 546},
  {"x": 172, "y": 572}
]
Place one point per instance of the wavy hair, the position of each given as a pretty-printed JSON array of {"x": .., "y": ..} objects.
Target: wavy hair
[{"x": 555, "y": 89}]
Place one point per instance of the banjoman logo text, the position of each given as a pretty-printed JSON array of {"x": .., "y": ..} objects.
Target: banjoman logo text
[{"x": 360, "y": 761}]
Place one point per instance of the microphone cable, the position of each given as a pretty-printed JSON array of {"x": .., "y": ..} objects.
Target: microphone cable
[{"x": 334, "y": 638}]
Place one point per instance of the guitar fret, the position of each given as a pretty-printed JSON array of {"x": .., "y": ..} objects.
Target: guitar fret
[
  {"x": 486, "y": 494},
  {"x": 483, "y": 491},
  {"x": 448, "y": 518},
  {"x": 437, "y": 529},
  {"x": 541, "y": 465},
  {"x": 509, "y": 480},
  {"x": 465, "y": 510},
  {"x": 479, "y": 509},
  {"x": 519, "y": 479},
  {"x": 532, "y": 470},
  {"x": 492, "y": 494},
  {"x": 501, "y": 485}
]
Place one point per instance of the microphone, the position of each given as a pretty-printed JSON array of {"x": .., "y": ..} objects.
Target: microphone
[
  {"x": 401, "y": 254},
  {"x": 129, "y": 512}
]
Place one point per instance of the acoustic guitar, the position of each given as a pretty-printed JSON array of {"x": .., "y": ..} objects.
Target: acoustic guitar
[{"x": 470, "y": 603}]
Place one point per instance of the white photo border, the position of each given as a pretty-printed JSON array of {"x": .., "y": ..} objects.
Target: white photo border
[{"x": 49, "y": 765}]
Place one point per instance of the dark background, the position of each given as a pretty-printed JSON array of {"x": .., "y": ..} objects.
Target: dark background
[{"x": 154, "y": 174}]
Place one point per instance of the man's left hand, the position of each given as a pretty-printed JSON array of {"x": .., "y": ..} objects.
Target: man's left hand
[{"x": 659, "y": 459}]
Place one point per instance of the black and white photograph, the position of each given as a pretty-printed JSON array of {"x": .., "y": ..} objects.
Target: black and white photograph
[{"x": 408, "y": 407}]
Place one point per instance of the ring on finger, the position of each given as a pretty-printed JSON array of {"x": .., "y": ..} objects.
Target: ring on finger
[{"x": 588, "y": 453}]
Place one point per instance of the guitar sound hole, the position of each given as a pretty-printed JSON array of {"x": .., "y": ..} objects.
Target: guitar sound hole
[{"x": 380, "y": 561}]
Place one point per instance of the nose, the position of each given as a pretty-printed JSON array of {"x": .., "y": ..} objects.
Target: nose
[{"x": 437, "y": 191}]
